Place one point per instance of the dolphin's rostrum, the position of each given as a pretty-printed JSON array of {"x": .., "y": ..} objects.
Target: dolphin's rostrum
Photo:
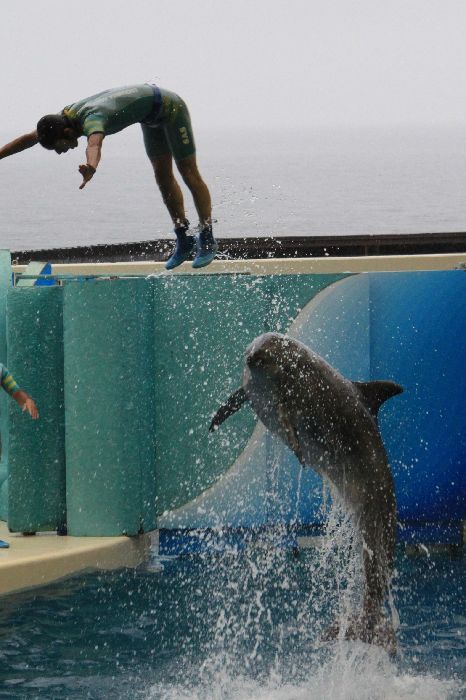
[{"x": 330, "y": 423}]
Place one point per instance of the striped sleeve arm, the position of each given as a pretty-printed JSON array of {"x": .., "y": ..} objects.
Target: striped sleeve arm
[
  {"x": 8, "y": 382},
  {"x": 93, "y": 124}
]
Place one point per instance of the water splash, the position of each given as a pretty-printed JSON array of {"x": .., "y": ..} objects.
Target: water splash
[
  {"x": 269, "y": 608},
  {"x": 355, "y": 672}
]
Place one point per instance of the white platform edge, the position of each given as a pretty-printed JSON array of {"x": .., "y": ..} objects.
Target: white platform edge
[
  {"x": 46, "y": 557},
  {"x": 271, "y": 266}
]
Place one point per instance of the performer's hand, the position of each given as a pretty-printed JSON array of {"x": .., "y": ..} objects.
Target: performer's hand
[
  {"x": 30, "y": 406},
  {"x": 87, "y": 171}
]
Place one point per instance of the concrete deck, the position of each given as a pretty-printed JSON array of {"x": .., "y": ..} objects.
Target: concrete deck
[{"x": 38, "y": 560}]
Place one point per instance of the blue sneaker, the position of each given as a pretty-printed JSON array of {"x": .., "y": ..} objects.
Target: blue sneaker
[
  {"x": 183, "y": 250},
  {"x": 207, "y": 248}
]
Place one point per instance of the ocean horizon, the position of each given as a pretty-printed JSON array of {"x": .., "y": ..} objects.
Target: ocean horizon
[{"x": 318, "y": 182}]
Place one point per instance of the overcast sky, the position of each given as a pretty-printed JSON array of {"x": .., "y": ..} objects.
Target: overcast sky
[{"x": 265, "y": 63}]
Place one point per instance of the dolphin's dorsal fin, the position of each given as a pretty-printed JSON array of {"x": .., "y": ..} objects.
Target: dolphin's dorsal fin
[
  {"x": 375, "y": 393},
  {"x": 234, "y": 403}
]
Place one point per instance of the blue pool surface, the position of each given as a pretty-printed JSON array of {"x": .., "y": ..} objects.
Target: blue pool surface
[{"x": 231, "y": 626}]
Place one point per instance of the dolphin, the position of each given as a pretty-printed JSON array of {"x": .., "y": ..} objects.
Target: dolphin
[{"x": 330, "y": 423}]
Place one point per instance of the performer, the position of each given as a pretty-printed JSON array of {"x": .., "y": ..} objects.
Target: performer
[{"x": 168, "y": 136}]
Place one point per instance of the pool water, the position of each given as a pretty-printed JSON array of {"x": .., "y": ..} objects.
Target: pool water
[{"x": 242, "y": 623}]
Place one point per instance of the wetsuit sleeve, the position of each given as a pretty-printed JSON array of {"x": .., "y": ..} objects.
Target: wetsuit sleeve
[
  {"x": 94, "y": 124},
  {"x": 7, "y": 381}
]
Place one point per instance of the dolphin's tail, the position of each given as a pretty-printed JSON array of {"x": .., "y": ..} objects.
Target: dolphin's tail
[
  {"x": 233, "y": 404},
  {"x": 381, "y": 634}
]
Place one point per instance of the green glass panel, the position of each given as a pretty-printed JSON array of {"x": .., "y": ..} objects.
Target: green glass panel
[
  {"x": 109, "y": 392},
  {"x": 36, "y": 458}
]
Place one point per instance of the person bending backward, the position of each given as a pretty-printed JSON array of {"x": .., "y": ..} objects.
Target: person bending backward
[{"x": 168, "y": 135}]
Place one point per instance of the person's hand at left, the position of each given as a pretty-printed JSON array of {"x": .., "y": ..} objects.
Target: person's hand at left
[
  {"x": 26, "y": 403},
  {"x": 87, "y": 171},
  {"x": 30, "y": 406}
]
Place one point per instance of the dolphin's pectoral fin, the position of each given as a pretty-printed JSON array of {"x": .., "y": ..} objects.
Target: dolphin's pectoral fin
[
  {"x": 290, "y": 432},
  {"x": 375, "y": 393},
  {"x": 233, "y": 404}
]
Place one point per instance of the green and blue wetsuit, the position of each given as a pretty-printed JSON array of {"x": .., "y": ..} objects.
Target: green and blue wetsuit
[{"x": 163, "y": 115}]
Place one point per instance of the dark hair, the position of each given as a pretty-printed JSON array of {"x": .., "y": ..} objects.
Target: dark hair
[{"x": 50, "y": 128}]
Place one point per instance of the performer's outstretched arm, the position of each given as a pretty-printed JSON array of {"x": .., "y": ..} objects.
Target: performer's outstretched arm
[{"x": 19, "y": 144}]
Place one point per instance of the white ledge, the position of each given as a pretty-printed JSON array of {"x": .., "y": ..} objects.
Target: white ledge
[
  {"x": 40, "y": 559},
  {"x": 270, "y": 266}
]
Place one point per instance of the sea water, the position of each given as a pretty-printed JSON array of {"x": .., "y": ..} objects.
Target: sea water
[
  {"x": 299, "y": 182},
  {"x": 244, "y": 623}
]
